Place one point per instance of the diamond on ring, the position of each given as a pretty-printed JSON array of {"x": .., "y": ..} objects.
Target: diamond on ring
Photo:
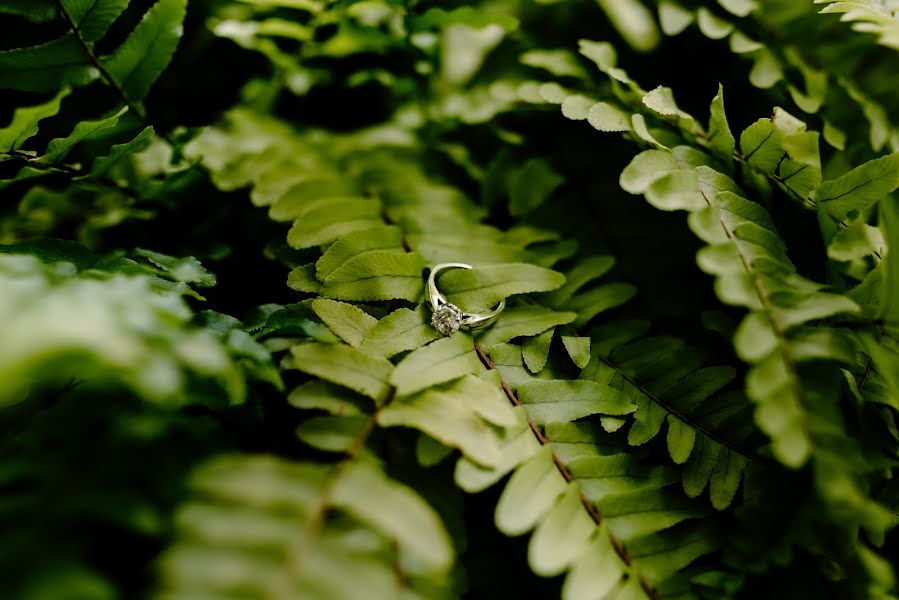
[{"x": 447, "y": 319}]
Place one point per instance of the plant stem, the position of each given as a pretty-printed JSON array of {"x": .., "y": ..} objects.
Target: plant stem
[
  {"x": 74, "y": 172},
  {"x": 294, "y": 554}
]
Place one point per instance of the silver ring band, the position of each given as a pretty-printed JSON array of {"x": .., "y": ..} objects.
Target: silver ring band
[{"x": 446, "y": 317}]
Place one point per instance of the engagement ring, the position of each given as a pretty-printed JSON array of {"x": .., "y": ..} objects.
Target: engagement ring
[{"x": 446, "y": 317}]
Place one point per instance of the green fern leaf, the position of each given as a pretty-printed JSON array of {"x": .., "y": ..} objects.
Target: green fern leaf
[
  {"x": 624, "y": 492},
  {"x": 889, "y": 225},
  {"x": 58, "y": 149},
  {"x": 348, "y": 322},
  {"x": 647, "y": 423},
  {"x": 713, "y": 26},
  {"x": 603, "y": 475},
  {"x": 377, "y": 275},
  {"x": 552, "y": 401},
  {"x": 676, "y": 180},
  {"x": 371, "y": 205},
  {"x": 666, "y": 381},
  {"x": 487, "y": 398},
  {"x": 562, "y": 537},
  {"x": 524, "y": 321},
  {"x": 578, "y": 349},
  {"x": 674, "y": 18},
  {"x": 145, "y": 54},
  {"x": 677, "y": 191},
  {"x": 650, "y": 165},
  {"x": 860, "y": 188},
  {"x": 451, "y": 414},
  {"x": 663, "y": 554},
  {"x": 49, "y": 66},
  {"x": 185, "y": 270},
  {"x": 517, "y": 445},
  {"x": 297, "y": 199},
  {"x": 294, "y": 320},
  {"x": 884, "y": 376},
  {"x": 571, "y": 441},
  {"x": 561, "y": 63},
  {"x": 661, "y": 100},
  {"x": 580, "y": 275},
  {"x": 634, "y": 22},
  {"x": 25, "y": 122},
  {"x": 780, "y": 414},
  {"x": 508, "y": 360},
  {"x": 761, "y": 146},
  {"x": 430, "y": 452},
  {"x": 720, "y": 138},
  {"x": 35, "y": 10},
  {"x": 577, "y": 107},
  {"x": 857, "y": 240},
  {"x": 484, "y": 286},
  {"x": 55, "y": 312},
  {"x": 345, "y": 366},
  {"x": 535, "y": 350},
  {"x": 330, "y": 221},
  {"x": 92, "y": 18},
  {"x": 606, "y": 117},
  {"x": 691, "y": 391},
  {"x": 800, "y": 178},
  {"x": 726, "y": 478},
  {"x": 644, "y": 511},
  {"x": 119, "y": 151},
  {"x": 438, "y": 18},
  {"x": 681, "y": 440},
  {"x": 332, "y": 433},
  {"x": 438, "y": 362},
  {"x": 699, "y": 468},
  {"x": 658, "y": 362},
  {"x": 320, "y": 395},
  {"x": 302, "y": 279},
  {"x": 868, "y": 17},
  {"x": 401, "y": 330},
  {"x": 596, "y": 572},
  {"x": 641, "y": 130},
  {"x": 366, "y": 493},
  {"x": 815, "y": 307},
  {"x": 529, "y": 495},
  {"x": 382, "y": 237},
  {"x": 249, "y": 511},
  {"x": 325, "y": 568}
]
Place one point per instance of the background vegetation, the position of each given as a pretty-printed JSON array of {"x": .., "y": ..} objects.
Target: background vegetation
[{"x": 217, "y": 378}]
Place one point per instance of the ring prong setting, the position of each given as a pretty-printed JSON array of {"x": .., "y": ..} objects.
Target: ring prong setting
[{"x": 447, "y": 319}]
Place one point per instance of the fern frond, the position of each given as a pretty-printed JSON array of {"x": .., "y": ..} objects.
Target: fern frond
[
  {"x": 131, "y": 69},
  {"x": 671, "y": 386},
  {"x": 373, "y": 141},
  {"x": 797, "y": 69},
  {"x": 438, "y": 391},
  {"x": 749, "y": 261},
  {"x": 270, "y": 528},
  {"x": 869, "y": 16},
  {"x": 25, "y": 122},
  {"x": 114, "y": 318},
  {"x": 573, "y": 469},
  {"x": 70, "y": 61}
]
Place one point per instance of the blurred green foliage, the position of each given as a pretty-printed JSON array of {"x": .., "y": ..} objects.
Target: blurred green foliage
[{"x": 218, "y": 377}]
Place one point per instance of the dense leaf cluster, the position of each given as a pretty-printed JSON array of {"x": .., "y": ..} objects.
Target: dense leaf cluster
[{"x": 668, "y": 407}]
